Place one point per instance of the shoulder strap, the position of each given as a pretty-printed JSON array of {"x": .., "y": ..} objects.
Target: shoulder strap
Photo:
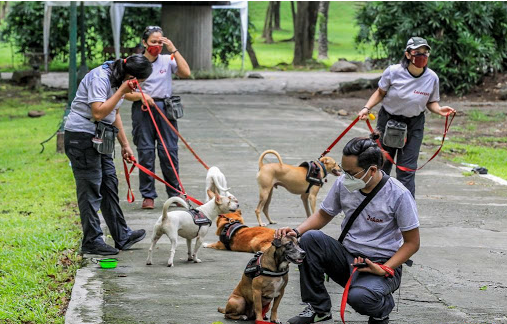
[{"x": 363, "y": 204}]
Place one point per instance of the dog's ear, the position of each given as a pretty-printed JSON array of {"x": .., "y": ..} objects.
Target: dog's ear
[
  {"x": 218, "y": 199},
  {"x": 277, "y": 242}
]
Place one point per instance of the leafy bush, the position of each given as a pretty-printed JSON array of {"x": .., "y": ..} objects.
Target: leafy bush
[
  {"x": 468, "y": 39},
  {"x": 23, "y": 25},
  {"x": 226, "y": 35}
]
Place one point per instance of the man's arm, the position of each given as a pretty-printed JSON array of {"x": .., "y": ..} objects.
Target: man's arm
[{"x": 316, "y": 221}]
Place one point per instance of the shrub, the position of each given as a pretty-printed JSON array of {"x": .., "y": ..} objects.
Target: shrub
[
  {"x": 226, "y": 35},
  {"x": 468, "y": 39}
]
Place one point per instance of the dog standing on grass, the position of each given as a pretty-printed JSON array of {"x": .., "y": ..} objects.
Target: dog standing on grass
[
  {"x": 253, "y": 295},
  {"x": 292, "y": 178},
  {"x": 181, "y": 223}
]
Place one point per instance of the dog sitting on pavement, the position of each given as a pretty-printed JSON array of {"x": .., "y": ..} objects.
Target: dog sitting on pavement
[
  {"x": 264, "y": 281},
  {"x": 292, "y": 178},
  {"x": 216, "y": 182},
  {"x": 181, "y": 223},
  {"x": 236, "y": 236}
]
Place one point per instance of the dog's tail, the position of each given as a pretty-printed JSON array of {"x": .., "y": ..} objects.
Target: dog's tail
[
  {"x": 221, "y": 310},
  {"x": 216, "y": 181},
  {"x": 171, "y": 201},
  {"x": 261, "y": 163}
]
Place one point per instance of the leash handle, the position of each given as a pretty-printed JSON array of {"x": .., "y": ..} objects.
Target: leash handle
[{"x": 130, "y": 193}]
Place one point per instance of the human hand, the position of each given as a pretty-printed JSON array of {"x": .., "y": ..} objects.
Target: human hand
[
  {"x": 363, "y": 114},
  {"x": 149, "y": 100},
  {"x": 445, "y": 110},
  {"x": 128, "y": 86},
  {"x": 127, "y": 153},
  {"x": 284, "y": 231},
  {"x": 168, "y": 44},
  {"x": 371, "y": 268}
]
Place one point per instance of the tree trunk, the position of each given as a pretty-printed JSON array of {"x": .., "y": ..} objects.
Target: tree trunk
[
  {"x": 251, "y": 52},
  {"x": 323, "y": 14},
  {"x": 293, "y": 10},
  {"x": 267, "y": 33},
  {"x": 276, "y": 15},
  {"x": 304, "y": 34}
]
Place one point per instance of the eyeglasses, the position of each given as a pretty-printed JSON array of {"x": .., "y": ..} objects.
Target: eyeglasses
[
  {"x": 350, "y": 176},
  {"x": 152, "y": 27}
]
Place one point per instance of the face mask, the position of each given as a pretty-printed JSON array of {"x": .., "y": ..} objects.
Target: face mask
[
  {"x": 420, "y": 60},
  {"x": 352, "y": 183},
  {"x": 154, "y": 50}
]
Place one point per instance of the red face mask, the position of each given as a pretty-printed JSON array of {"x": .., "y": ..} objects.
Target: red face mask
[
  {"x": 419, "y": 60},
  {"x": 154, "y": 50}
]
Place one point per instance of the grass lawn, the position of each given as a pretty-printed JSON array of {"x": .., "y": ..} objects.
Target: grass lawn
[{"x": 40, "y": 228}]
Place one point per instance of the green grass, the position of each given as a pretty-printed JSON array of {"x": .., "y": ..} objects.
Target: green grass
[
  {"x": 40, "y": 228},
  {"x": 341, "y": 33}
]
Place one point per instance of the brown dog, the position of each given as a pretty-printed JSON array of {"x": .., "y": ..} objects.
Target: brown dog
[
  {"x": 290, "y": 177},
  {"x": 246, "y": 239},
  {"x": 264, "y": 281}
]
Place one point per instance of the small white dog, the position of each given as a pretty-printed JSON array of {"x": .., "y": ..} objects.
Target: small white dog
[
  {"x": 216, "y": 182},
  {"x": 180, "y": 222}
]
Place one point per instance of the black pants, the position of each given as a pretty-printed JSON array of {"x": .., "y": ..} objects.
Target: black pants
[
  {"x": 408, "y": 155},
  {"x": 369, "y": 294},
  {"x": 145, "y": 136},
  {"x": 96, "y": 188}
]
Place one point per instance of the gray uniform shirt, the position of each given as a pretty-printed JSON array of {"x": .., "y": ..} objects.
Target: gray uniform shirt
[
  {"x": 408, "y": 95},
  {"x": 159, "y": 83},
  {"x": 95, "y": 87},
  {"x": 376, "y": 232}
]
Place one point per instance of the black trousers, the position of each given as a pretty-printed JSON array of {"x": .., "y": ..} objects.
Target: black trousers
[
  {"x": 96, "y": 188},
  {"x": 408, "y": 155},
  {"x": 145, "y": 137},
  {"x": 369, "y": 294}
]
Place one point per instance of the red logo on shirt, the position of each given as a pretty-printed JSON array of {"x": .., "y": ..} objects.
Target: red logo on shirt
[
  {"x": 163, "y": 71},
  {"x": 375, "y": 220},
  {"x": 422, "y": 93}
]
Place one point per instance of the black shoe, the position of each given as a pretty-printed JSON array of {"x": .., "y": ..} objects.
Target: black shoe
[
  {"x": 308, "y": 316},
  {"x": 377, "y": 321},
  {"x": 134, "y": 237},
  {"x": 100, "y": 249}
]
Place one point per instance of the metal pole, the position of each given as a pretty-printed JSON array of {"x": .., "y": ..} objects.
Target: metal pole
[
  {"x": 72, "y": 72},
  {"x": 83, "y": 69}
]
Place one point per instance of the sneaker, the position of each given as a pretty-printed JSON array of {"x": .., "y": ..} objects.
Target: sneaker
[
  {"x": 373, "y": 320},
  {"x": 308, "y": 316},
  {"x": 100, "y": 249},
  {"x": 134, "y": 237},
  {"x": 148, "y": 203}
]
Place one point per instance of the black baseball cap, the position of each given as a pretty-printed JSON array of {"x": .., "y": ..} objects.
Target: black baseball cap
[{"x": 416, "y": 42}]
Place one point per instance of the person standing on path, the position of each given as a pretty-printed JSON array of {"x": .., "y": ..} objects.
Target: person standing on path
[
  {"x": 384, "y": 235},
  {"x": 406, "y": 90},
  {"x": 90, "y": 129},
  {"x": 157, "y": 88}
]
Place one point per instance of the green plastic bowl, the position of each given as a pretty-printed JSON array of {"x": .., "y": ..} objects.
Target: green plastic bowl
[{"x": 108, "y": 263}]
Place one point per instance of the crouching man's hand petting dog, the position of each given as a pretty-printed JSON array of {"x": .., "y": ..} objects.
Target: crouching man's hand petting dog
[
  {"x": 263, "y": 281},
  {"x": 181, "y": 222}
]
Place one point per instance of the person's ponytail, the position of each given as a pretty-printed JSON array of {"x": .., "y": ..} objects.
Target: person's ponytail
[{"x": 366, "y": 149}]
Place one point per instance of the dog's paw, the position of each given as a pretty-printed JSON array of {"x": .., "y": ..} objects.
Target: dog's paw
[
  {"x": 205, "y": 245},
  {"x": 197, "y": 260},
  {"x": 190, "y": 258},
  {"x": 148, "y": 262},
  {"x": 262, "y": 224},
  {"x": 243, "y": 318},
  {"x": 170, "y": 265},
  {"x": 277, "y": 321},
  {"x": 273, "y": 222}
]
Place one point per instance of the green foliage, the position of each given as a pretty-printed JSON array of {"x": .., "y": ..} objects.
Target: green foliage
[
  {"x": 468, "y": 39},
  {"x": 226, "y": 35},
  {"x": 38, "y": 215},
  {"x": 23, "y": 26}
]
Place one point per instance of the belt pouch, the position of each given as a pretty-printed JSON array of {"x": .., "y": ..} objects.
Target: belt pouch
[
  {"x": 173, "y": 107},
  {"x": 395, "y": 134},
  {"x": 103, "y": 141}
]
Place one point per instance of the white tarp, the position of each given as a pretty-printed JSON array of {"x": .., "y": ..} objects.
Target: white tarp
[{"x": 116, "y": 11}]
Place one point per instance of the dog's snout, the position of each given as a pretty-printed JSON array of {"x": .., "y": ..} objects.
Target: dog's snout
[{"x": 303, "y": 254}]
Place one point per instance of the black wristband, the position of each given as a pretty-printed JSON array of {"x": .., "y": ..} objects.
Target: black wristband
[
  {"x": 298, "y": 235},
  {"x": 176, "y": 50}
]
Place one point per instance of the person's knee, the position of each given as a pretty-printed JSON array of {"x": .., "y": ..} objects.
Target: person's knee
[
  {"x": 365, "y": 301},
  {"x": 310, "y": 238}
]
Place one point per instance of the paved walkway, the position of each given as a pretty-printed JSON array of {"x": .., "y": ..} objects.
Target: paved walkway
[{"x": 459, "y": 272}]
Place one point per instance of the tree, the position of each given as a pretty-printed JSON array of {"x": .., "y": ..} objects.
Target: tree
[
  {"x": 468, "y": 39},
  {"x": 251, "y": 52},
  {"x": 323, "y": 14},
  {"x": 276, "y": 15},
  {"x": 267, "y": 32},
  {"x": 304, "y": 32},
  {"x": 226, "y": 35}
]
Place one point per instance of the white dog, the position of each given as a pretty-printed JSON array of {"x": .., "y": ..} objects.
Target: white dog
[
  {"x": 216, "y": 182},
  {"x": 180, "y": 222}
]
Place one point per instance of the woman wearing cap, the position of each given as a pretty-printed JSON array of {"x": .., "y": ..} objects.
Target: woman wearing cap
[
  {"x": 406, "y": 90},
  {"x": 156, "y": 88},
  {"x": 93, "y": 121}
]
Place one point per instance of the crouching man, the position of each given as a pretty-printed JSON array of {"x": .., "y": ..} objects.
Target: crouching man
[{"x": 384, "y": 235}]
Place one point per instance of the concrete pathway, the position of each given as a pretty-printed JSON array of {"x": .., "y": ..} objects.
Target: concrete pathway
[{"x": 458, "y": 275}]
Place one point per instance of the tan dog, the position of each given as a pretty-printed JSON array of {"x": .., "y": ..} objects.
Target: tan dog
[
  {"x": 292, "y": 178},
  {"x": 253, "y": 295},
  {"x": 247, "y": 239}
]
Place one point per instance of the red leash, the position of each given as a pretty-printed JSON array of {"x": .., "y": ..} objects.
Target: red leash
[
  {"x": 130, "y": 194},
  {"x": 339, "y": 137}
]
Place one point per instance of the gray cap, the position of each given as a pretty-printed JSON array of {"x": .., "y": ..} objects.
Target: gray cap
[{"x": 416, "y": 42}]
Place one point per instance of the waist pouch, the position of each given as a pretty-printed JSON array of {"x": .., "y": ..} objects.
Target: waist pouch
[
  {"x": 395, "y": 134},
  {"x": 103, "y": 141},
  {"x": 173, "y": 107}
]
